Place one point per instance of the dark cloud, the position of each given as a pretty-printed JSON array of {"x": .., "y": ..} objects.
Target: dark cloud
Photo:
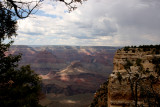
[
  {"x": 141, "y": 15},
  {"x": 98, "y": 22}
]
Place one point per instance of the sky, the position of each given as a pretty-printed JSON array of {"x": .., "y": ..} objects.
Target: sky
[{"x": 94, "y": 23}]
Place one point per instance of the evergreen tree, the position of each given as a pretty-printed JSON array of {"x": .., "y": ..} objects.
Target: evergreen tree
[{"x": 19, "y": 86}]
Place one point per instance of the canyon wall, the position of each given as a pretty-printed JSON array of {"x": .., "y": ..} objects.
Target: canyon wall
[
  {"x": 68, "y": 70},
  {"x": 134, "y": 69},
  {"x": 70, "y": 74}
]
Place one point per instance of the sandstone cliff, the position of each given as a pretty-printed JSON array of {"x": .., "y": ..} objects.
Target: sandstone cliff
[
  {"x": 135, "y": 75},
  {"x": 135, "y": 80}
]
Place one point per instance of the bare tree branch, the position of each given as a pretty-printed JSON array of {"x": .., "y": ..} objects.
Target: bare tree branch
[
  {"x": 69, "y": 4},
  {"x": 24, "y": 9}
]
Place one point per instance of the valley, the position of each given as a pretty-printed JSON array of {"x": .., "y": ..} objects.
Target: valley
[{"x": 70, "y": 74}]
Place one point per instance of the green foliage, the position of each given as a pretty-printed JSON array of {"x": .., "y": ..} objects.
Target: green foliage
[
  {"x": 157, "y": 51},
  {"x": 8, "y": 26},
  {"x": 133, "y": 50},
  {"x": 136, "y": 75},
  {"x": 154, "y": 48},
  {"x": 100, "y": 98},
  {"x": 146, "y": 49},
  {"x": 138, "y": 62},
  {"x": 156, "y": 62},
  {"x": 119, "y": 76},
  {"x": 128, "y": 64},
  {"x": 147, "y": 70},
  {"x": 19, "y": 87},
  {"x": 136, "y": 81},
  {"x": 126, "y": 48},
  {"x": 148, "y": 93}
]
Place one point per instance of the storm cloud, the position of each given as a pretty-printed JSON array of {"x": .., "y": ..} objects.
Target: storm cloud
[{"x": 95, "y": 22}]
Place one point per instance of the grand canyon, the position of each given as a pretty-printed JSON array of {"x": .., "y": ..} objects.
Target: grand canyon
[{"x": 70, "y": 74}]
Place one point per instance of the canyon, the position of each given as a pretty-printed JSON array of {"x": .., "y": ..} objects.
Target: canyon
[
  {"x": 70, "y": 74},
  {"x": 95, "y": 76}
]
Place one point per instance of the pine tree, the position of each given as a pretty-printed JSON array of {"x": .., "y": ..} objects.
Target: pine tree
[{"x": 19, "y": 86}]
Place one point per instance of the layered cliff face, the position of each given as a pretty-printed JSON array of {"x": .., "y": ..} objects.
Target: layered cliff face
[
  {"x": 135, "y": 79},
  {"x": 72, "y": 80},
  {"x": 44, "y": 59},
  {"x": 70, "y": 74}
]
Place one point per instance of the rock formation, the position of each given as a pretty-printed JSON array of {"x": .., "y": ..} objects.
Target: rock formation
[
  {"x": 135, "y": 80},
  {"x": 44, "y": 59},
  {"x": 68, "y": 71},
  {"x": 72, "y": 80},
  {"x": 135, "y": 77}
]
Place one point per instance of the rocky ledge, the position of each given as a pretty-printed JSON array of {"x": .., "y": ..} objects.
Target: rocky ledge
[{"x": 135, "y": 80}]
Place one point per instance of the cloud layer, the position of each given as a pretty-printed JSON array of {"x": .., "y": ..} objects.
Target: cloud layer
[{"x": 96, "y": 22}]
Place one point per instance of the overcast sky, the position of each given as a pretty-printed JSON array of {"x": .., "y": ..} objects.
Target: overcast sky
[{"x": 96, "y": 22}]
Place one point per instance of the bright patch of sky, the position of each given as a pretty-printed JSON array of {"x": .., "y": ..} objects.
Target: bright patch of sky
[{"x": 95, "y": 22}]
